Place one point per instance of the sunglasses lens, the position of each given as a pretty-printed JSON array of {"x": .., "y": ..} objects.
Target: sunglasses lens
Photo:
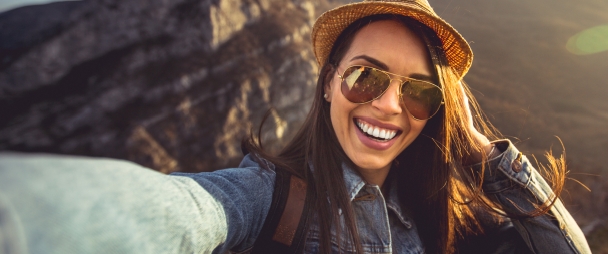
[
  {"x": 421, "y": 99},
  {"x": 363, "y": 84}
]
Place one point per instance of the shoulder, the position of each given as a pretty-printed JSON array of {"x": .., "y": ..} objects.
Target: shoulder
[
  {"x": 244, "y": 193},
  {"x": 252, "y": 170}
]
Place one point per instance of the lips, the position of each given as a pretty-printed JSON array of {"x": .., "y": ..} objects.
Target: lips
[
  {"x": 383, "y": 136},
  {"x": 375, "y": 131}
]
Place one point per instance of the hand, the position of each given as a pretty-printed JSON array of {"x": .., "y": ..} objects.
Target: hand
[{"x": 481, "y": 140}]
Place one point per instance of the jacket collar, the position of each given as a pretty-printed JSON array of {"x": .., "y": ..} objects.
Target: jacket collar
[
  {"x": 353, "y": 181},
  {"x": 354, "y": 184}
]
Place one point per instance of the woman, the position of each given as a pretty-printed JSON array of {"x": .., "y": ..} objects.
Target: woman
[{"x": 389, "y": 152}]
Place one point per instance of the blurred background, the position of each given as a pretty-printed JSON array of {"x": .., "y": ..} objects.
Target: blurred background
[{"x": 175, "y": 85}]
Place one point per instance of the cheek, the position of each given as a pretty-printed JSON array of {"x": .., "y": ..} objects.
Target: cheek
[
  {"x": 417, "y": 127},
  {"x": 341, "y": 112},
  {"x": 339, "y": 106}
]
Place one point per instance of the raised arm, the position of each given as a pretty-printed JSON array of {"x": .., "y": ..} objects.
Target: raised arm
[
  {"x": 62, "y": 204},
  {"x": 513, "y": 183}
]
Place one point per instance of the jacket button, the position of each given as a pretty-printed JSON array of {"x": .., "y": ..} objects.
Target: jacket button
[{"x": 516, "y": 166}]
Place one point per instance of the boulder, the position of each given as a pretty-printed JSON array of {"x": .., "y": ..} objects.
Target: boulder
[{"x": 172, "y": 85}]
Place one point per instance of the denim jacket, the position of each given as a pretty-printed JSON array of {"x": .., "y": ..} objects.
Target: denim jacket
[
  {"x": 62, "y": 204},
  {"x": 385, "y": 226}
]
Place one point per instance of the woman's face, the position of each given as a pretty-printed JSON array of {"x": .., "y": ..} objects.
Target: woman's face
[{"x": 387, "y": 45}]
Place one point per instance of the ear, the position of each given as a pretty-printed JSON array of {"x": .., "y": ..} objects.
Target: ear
[{"x": 327, "y": 80}]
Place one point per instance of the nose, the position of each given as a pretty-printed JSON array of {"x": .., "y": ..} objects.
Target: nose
[{"x": 390, "y": 102}]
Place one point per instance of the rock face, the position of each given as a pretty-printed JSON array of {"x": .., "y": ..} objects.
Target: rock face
[{"x": 172, "y": 85}]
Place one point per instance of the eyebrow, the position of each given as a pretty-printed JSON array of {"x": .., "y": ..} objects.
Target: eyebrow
[
  {"x": 384, "y": 67},
  {"x": 373, "y": 61}
]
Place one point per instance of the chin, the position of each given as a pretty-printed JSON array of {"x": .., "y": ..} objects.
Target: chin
[{"x": 372, "y": 165}]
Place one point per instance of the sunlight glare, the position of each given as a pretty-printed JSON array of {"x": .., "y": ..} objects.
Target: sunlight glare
[{"x": 589, "y": 41}]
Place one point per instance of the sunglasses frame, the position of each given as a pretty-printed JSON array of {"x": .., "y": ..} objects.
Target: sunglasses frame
[{"x": 403, "y": 80}]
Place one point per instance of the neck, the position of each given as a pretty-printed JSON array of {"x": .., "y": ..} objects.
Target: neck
[{"x": 375, "y": 176}]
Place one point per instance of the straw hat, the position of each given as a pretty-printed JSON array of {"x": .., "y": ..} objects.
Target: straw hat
[{"x": 330, "y": 24}]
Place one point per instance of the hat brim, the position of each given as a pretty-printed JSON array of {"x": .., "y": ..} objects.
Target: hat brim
[{"x": 330, "y": 25}]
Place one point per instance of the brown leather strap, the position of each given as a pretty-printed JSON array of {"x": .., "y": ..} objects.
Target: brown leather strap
[
  {"x": 290, "y": 219},
  {"x": 286, "y": 225}
]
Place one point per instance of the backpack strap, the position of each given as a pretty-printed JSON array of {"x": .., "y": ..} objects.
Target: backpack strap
[{"x": 286, "y": 224}]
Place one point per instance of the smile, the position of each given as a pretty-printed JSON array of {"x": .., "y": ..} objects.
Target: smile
[{"x": 375, "y": 132}]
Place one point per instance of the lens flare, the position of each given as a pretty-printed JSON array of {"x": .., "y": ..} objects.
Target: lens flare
[{"x": 589, "y": 41}]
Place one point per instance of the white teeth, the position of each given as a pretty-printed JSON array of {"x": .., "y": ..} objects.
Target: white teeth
[
  {"x": 376, "y": 132},
  {"x": 392, "y": 134}
]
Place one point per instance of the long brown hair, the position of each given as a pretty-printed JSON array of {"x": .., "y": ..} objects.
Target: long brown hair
[{"x": 440, "y": 193}]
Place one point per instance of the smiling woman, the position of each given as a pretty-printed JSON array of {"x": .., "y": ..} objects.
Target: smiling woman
[
  {"x": 389, "y": 160},
  {"x": 391, "y": 46}
]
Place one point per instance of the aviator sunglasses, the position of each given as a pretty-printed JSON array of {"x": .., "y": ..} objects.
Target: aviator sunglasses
[{"x": 363, "y": 84}]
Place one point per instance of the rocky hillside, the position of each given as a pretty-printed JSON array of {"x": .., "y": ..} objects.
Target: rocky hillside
[
  {"x": 175, "y": 85},
  {"x": 172, "y": 85}
]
